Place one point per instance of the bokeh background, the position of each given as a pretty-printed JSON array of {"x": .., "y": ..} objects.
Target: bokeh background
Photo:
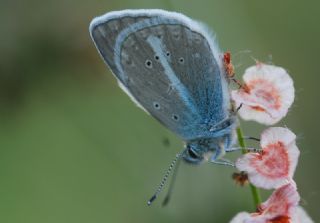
[{"x": 74, "y": 148}]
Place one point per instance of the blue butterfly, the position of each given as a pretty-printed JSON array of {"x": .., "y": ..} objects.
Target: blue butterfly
[{"x": 172, "y": 68}]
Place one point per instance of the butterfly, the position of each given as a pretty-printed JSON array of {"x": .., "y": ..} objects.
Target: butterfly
[{"x": 172, "y": 68}]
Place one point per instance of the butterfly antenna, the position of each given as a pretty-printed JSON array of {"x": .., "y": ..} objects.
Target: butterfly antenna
[
  {"x": 173, "y": 180},
  {"x": 165, "y": 178}
]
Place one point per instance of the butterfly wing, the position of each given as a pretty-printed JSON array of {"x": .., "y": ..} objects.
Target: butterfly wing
[{"x": 169, "y": 66}]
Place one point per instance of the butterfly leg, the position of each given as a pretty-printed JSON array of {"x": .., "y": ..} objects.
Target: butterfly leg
[
  {"x": 254, "y": 150},
  {"x": 217, "y": 157},
  {"x": 251, "y": 138},
  {"x": 236, "y": 110},
  {"x": 233, "y": 149},
  {"x": 224, "y": 162}
]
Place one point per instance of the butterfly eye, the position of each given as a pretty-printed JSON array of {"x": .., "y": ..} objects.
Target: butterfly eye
[
  {"x": 148, "y": 63},
  {"x": 192, "y": 154},
  {"x": 156, "y": 57},
  {"x": 168, "y": 54}
]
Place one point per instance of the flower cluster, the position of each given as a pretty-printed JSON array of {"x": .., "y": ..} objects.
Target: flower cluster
[{"x": 265, "y": 97}]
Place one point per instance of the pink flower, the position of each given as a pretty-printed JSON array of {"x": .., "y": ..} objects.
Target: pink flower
[
  {"x": 267, "y": 94},
  {"x": 274, "y": 166},
  {"x": 279, "y": 208},
  {"x": 301, "y": 216}
]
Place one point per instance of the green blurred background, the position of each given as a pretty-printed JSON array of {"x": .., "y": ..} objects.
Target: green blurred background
[{"x": 74, "y": 148}]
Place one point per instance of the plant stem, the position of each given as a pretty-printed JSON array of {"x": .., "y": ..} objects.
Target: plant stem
[{"x": 254, "y": 191}]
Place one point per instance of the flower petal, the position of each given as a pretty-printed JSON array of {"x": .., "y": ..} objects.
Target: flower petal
[
  {"x": 245, "y": 217},
  {"x": 268, "y": 94},
  {"x": 301, "y": 216},
  {"x": 282, "y": 202},
  {"x": 282, "y": 206},
  {"x": 275, "y": 165},
  {"x": 241, "y": 217}
]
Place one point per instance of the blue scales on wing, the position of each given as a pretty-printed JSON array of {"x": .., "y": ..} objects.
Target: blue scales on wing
[{"x": 170, "y": 69}]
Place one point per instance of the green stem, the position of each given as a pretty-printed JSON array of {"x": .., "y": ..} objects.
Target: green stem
[{"x": 254, "y": 191}]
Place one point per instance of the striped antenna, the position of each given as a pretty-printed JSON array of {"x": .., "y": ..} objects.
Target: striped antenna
[{"x": 165, "y": 178}]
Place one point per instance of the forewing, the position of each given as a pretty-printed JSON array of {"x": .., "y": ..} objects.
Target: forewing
[{"x": 166, "y": 66}]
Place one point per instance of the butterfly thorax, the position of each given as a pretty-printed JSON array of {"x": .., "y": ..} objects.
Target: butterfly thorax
[{"x": 205, "y": 148}]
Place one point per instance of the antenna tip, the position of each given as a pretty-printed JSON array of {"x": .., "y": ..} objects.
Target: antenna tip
[{"x": 151, "y": 199}]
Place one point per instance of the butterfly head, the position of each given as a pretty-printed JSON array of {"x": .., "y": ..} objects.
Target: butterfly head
[{"x": 193, "y": 153}]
